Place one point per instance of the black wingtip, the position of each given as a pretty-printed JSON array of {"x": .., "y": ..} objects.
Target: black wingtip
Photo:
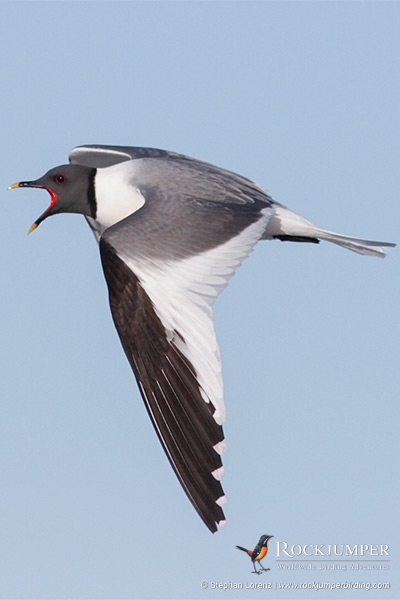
[{"x": 183, "y": 421}]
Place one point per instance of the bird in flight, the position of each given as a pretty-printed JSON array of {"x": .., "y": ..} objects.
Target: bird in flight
[
  {"x": 259, "y": 552},
  {"x": 171, "y": 231}
]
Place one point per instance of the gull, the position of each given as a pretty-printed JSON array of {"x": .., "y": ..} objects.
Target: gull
[{"x": 171, "y": 231}]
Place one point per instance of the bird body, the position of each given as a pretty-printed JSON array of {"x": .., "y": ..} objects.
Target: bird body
[
  {"x": 259, "y": 552},
  {"x": 172, "y": 230}
]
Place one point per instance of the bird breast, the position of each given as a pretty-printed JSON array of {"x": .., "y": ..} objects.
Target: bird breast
[{"x": 116, "y": 195}]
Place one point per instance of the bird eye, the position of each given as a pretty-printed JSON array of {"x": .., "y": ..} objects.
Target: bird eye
[{"x": 59, "y": 178}]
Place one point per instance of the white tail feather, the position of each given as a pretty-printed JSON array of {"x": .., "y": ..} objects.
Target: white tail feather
[
  {"x": 285, "y": 222},
  {"x": 367, "y": 247}
]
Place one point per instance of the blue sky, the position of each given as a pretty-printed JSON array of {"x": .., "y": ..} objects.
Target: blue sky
[{"x": 303, "y": 98}]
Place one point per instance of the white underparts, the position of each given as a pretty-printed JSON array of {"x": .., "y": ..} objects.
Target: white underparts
[{"x": 116, "y": 197}]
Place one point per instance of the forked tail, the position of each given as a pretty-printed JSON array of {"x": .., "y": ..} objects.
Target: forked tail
[
  {"x": 367, "y": 247},
  {"x": 287, "y": 225}
]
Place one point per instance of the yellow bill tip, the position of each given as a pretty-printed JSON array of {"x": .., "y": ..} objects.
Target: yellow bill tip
[
  {"x": 32, "y": 228},
  {"x": 13, "y": 186}
]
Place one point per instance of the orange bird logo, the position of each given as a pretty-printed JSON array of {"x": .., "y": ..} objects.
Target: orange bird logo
[{"x": 259, "y": 552}]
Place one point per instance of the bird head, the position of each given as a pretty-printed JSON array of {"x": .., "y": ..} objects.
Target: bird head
[
  {"x": 71, "y": 189},
  {"x": 264, "y": 539}
]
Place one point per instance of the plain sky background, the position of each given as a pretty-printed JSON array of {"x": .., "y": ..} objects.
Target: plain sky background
[{"x": 302, "y": 97}]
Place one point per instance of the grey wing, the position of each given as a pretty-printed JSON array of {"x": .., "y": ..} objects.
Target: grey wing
[
  {"x": 98, "y": 156},
  {"x": 174, "y": 178},
  {"x": 164, "y": 266}
]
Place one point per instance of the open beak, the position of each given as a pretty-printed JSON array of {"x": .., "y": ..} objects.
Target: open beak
[{"x": 30, "y": 184}]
